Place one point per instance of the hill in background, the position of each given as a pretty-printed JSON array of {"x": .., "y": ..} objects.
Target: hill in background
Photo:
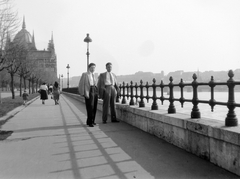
[{"x": 177, "y": 76}]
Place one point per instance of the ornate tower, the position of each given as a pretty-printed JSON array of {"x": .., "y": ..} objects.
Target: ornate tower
[
  {"x": 46, "y": 59},
  {"x": 33, "y": 43},
  {"x": 51, "y": 45}
]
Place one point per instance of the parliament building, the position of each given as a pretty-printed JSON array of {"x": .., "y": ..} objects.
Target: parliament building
[{"x": 46, "y": 59}]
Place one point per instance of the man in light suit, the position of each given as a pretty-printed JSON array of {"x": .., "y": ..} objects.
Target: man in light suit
[
  {"x": 87, "y": 88},
  {"x": 108, "y": 88}
]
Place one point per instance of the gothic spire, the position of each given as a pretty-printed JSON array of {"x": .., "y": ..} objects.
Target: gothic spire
[
  {"x": 8, "y": 41},
  {"x": 24, "y": 25},
  {"x": 33, "y": 39},
  {"x": 33, "y": 42},
  {"x": 8, "y": 37},
  {"x": 52, "y": 37},
  {"x": 51, "y": 44}
]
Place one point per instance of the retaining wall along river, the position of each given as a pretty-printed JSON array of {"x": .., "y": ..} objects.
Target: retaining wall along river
[{"x": 207, "y": 138}]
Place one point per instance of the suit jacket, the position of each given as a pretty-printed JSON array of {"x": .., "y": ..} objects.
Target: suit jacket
[
  {"x": 101, "y": 84},
  {"x": 84, "y": 85}
]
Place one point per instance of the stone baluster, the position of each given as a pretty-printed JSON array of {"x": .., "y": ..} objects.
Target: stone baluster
[
  {"x": 212, "y": 100},
  {"x": 162, "y": 87},
  {"x": 123, "y": 95},
  {"x": 181, "y": 85},
  {"x": 147, "y": 95},
  {"x": 195, "y": 111},
  {"x": 231, "y": 119},
  {"x": 131, "y": 95},
  {"x": 171, "y": 108},
  {"x": 141, "y": 103},
  {"x": 154, "y": 97}
]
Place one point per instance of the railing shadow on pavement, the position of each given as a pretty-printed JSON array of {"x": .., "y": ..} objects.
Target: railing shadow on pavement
[
  {"x": 96, "y": 151},
  {"x": 90, "y": 153}
]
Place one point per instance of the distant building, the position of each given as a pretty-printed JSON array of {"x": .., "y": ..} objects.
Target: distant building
[
  {"x": 47, "y": 59},
  {"x": 162, "y": 73}
]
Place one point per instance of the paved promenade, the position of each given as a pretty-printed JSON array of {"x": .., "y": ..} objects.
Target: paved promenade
[{"x": 53, "y": 142}]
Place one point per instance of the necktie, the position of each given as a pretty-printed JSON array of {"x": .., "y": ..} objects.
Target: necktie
[
  {"x": 93, "y": 79},
  {"x": 111, "y": 79}
]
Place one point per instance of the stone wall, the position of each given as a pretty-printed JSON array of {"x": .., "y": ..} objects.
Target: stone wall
[{"x": 206, "y": 138}]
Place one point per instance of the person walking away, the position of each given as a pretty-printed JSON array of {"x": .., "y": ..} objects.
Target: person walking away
[
  {"x": 87, "y": 88},
  {"x": 56, "y": 92},
  {"x": 50, "y": 90},
  {"x": 108, "y": 89},
  {"x": 43, "y": 92},
  {"x": 25, "y": 97}
]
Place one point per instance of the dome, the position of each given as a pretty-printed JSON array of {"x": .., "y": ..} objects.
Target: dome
[{"x": 23, "y": 37}]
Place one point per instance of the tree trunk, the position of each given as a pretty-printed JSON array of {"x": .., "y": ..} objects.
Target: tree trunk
[
  {"x": 24, "y": 83},
  {"x": 20, "y": 85},
  {"x": 29, "y": 85},
  {"x": 36, "y": 87},
  {"x": 12, "y": 86},
  {"x": 32, "y": 86},
  {"x": 2, "y": 85}
]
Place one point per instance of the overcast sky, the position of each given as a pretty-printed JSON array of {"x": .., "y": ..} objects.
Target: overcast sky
[{"x": 137, "y": 35}]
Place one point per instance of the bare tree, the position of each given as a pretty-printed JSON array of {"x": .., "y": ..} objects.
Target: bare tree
[
  {"x": 40, "y": 76},
  {"x": 29, "y": 68},
  {"x": 15, "y": 54},
  {"x": 33, "y": 81},
  {"x": 24, "y": 69},
  {"x": 34, "y": 76},
  {"x": 4, "y": 80},
  {"x": 9, "y": 24}
]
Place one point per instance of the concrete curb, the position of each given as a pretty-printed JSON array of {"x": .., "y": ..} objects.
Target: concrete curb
[{"x": 12, "y": 113}]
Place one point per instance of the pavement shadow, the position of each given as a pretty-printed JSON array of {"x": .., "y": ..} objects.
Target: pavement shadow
[
  {"x": 90, "y": 153},
  {"x": 123, "y": 151},
  {"x": 5, "y": 134}
]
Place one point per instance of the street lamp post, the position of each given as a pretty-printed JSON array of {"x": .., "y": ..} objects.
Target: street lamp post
[
  {"x": 68, "y": 75},
  {"x": 87, "y": 40},
  {"x": 62, "y": 80}
]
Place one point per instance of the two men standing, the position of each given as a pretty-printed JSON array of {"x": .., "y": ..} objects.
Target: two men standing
[{"x": 106, "y": 88}]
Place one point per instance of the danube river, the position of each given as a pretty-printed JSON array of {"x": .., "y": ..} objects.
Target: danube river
[{"x": 219, "y": 112}]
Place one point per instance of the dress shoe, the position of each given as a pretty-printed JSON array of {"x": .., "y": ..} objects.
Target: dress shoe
[
  {"x": 115, "y": 121},
  {"x": 94, "y": 123},
  {"x": 90, "y": 125},
  {"x": 104, "y": 122}
]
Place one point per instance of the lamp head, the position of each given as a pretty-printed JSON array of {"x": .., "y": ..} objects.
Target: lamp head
[{"x": 87, "y": 39}]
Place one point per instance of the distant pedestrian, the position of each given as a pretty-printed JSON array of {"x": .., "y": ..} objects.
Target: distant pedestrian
[
  {"x": 25, "y": 97},
  {"x": 43, "y": 92},
  {"x": 87, "y": 88},
  {"x": 108, "y": 89},
  {"x": 50, "y": 90},
  {"x": 56, "y": 93}
]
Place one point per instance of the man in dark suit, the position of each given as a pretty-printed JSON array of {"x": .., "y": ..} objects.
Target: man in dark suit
[
  {"x": 87, "y": 88},
  {"x": 108, "y": 88}
]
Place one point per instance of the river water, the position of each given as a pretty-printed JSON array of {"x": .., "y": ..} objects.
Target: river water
[{"x": 219, "y": 112}]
